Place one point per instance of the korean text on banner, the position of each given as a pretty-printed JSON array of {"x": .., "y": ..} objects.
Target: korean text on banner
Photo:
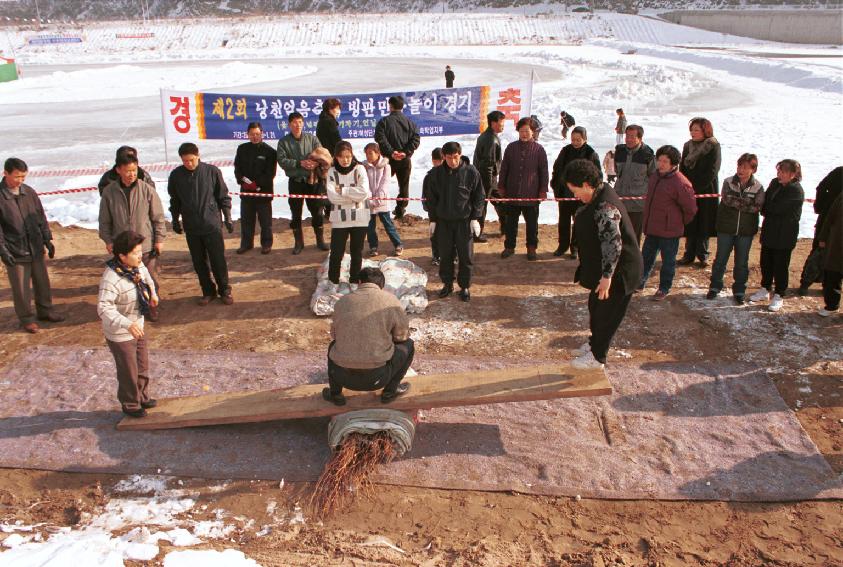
[{"x": 194, "y": 116}]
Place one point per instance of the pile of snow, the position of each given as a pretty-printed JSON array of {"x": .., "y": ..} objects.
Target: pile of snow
[
  {"x": 404, "y": 279},
  {"x": 160, "y": 516}
]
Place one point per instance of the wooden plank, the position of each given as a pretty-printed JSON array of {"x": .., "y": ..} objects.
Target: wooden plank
[{"x": 520, "y": 384}]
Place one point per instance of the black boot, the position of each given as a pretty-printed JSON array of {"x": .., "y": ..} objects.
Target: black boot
[
  {"x": 299, "y": 241},
  {"x": 320, "y": 238}
]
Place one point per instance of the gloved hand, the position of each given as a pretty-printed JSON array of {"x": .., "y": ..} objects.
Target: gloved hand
[
  {"x": 226, "y": 215},
  {"x": 51, "y": 249},
  {"x": 7, "y": 257},
  {"x": 432, "y": 228},
  {"x": 251, "y": 187},
  {"x": 475, "y": 228},
  {"x": 177, "y": 227}
]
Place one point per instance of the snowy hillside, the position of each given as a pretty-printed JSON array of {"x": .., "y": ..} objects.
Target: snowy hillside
[
  {"x": 88, "y": 10},
  {"x": 122, "y": 41}
]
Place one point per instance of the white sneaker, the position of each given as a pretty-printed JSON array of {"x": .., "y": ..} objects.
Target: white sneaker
[
  {"x": 776, "y": 303},
  {"x": 582, "y": 349},
  {"x": 823, "y": 312},
  {"x": 759, "y": 296},
  {"x": 343, "y": 288},
  {"x": 586, "y": 362}
]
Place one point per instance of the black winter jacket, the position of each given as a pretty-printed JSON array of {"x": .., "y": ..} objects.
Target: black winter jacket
[
  {"x": 827, "y": 191},
  {"x": 23, "y": 224},
  {"x": 397, "y": 133},
  {"x": 782, "y": 210},
  {"x": 703, "y": 176},
  {"x": 590, "y": 270},
  {"x": 258, "y": 163},
  {"x": 454, "y": 194},
  {"x": 328, "y": 131},
  {"x": 557, "y": 179},
  {"x": 487, "y": 154},
  {"x": 198, "y": 197},
  {"x": 566, "y": 155}
]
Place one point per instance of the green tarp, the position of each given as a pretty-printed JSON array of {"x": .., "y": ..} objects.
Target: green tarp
[{"x": 8, "y": 71}]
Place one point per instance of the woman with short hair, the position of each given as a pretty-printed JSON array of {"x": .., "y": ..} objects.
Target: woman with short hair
[
  {"x": 577, "y": 149},
  {"x": 126, "y": 294},
  {"x": 669, "y": 205},
  {"x": 701, "y": 165},
  {"x": 737, "y": 223},
  {"x": 523, "y": 176},
  {"x": 782, "y": 211}
]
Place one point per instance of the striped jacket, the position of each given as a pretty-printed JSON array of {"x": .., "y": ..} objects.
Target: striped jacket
[
  {"x": 349, "y": 196},
  {"x": 118, "y": 304}
]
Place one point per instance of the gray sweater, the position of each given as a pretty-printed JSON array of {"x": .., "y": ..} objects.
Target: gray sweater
[{"x": 366, "y": 325}]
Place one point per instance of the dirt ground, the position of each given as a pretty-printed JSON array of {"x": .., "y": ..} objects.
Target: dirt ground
[{"x": 520, "y": 310}]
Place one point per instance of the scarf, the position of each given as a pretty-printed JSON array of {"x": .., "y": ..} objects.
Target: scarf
[
  {"x": 133, "y": 275},
  {"x": 346, "y": 170},
  {"x": 698, "y": 149}
]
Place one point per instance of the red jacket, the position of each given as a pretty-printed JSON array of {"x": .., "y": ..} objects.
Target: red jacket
[{"x": 669, "y": 206}]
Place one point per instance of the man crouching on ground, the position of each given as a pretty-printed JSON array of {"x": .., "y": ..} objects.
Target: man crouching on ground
[{"x": 371, "y": 347}]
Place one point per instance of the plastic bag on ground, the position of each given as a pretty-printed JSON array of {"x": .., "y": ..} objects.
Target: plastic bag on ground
[{"x": 404, "y": 279}]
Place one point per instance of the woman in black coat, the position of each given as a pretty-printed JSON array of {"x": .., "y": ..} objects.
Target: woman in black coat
[
  {"x": 577, "y": 149},
  {"x": 701, "y": 165},
  {"x": 782, "y": 211},
  {"x": 328, "y": 128}
]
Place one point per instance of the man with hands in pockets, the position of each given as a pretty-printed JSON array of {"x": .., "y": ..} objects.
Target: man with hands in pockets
[{"x": 455, "y": 203}]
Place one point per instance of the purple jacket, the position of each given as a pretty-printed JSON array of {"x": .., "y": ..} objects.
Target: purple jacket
[
  {"x": 524, "y": 171},
  {"x": 670, "y": 205}
]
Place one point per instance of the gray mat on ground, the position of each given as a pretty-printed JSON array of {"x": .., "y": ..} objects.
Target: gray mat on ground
[{"x": 670, "y": 431}]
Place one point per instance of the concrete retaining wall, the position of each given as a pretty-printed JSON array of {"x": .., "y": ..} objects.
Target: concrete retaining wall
[{"x": 789, "y": 26}]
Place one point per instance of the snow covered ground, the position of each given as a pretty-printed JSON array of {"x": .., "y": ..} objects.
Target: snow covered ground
[
  {"x": 77, "y": 103},
  {"x": 143, "y": 510}
]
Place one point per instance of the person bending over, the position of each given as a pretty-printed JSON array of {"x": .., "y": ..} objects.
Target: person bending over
[{"x": 371, "y": 347}]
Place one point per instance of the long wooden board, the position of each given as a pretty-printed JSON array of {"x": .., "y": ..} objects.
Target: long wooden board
[{"x": 520, "y": 384}]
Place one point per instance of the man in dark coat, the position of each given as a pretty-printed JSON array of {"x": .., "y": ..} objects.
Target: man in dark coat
[
  {"x": 610, "y": 260},
  {"x": 198, "y": 195},
  {"x": 567, "y": 121},
  {"x": 398, "y": 138},
  {"x": 635, "y": 162},
  {"x": 831, "y": 240},
  {"x": 455, "y": 205},
  {"x": 24, "y": 235},
  {"x": 827, "y": 191},
  {"x": 111, "y": 175},
  {"x": 254, "y": 170},
  {"x": 487, "y": 160},
  {"x": 449, "y": 77}
]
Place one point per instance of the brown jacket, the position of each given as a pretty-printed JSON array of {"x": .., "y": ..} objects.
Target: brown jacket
[
  {"x": 365, "y": 326},
  {"x": 141, "y": 212}
]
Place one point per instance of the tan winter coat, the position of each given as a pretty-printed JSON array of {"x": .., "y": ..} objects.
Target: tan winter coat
[{"x": 141, "y": 212}]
